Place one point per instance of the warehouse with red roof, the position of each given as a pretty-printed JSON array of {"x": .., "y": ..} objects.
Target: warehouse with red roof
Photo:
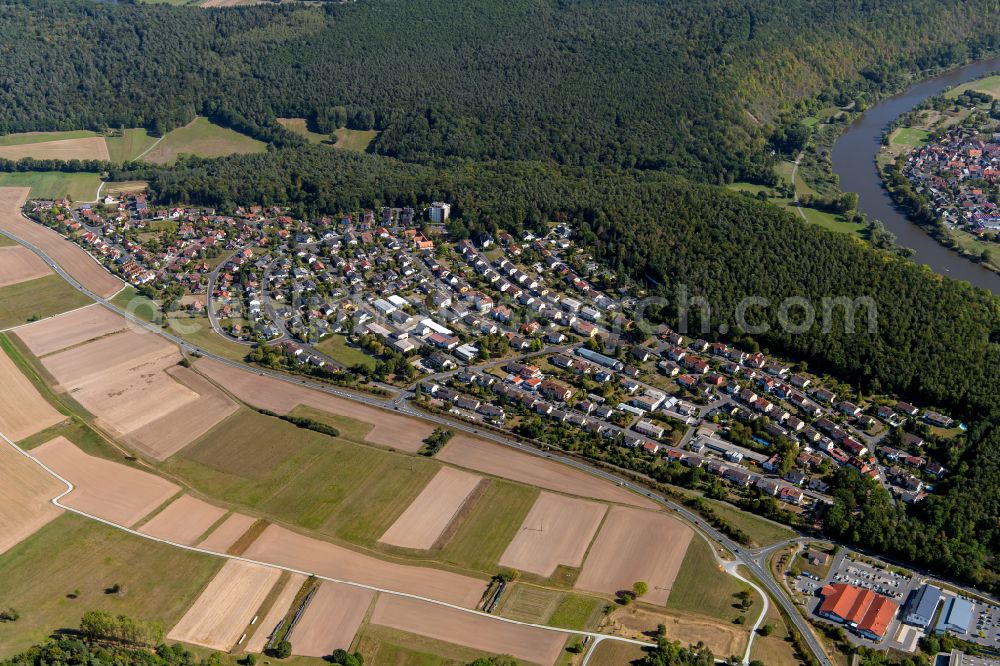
[{"x": 865, "y": 612}]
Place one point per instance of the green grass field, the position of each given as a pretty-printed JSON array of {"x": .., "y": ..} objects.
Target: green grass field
[
  {"x": 54, "y": 184},
  {"x": 43, "y": 137},
  {"x": 989, "y": 85},
  {"x": 820, "y": 218},
  {"x": 299, "y": 126},
  {"x": 910, "y": 137},
  {"x": 527, "y": 603},
  {"x": 130, "y": 145},
  {"x": 356, "y": 140},
  {"x": 576, "y": 611},
  {"x": 203, "y": 138},
  {"x": 336, "y": 347},
  {"x": 349, "y": 428},
  {"x": 701, "y": 585},
  {"x": 138, "y": 305},
  {"x": 198, "y": 331},
  {"x": 391, "y": 647},
  {"x": 74, "y": 553},
  {"x": 762, "y": 532},
  {"x": 38, "y": 298},
  {"x": 340, "y": 489},
  {"x": 489, "y": 526}
]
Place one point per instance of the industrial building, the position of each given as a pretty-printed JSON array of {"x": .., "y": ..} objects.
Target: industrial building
[
  {"x": 865, "y": 612},
  {"x": 956, "y": 616},
  {"x": 921, "y": 607}
]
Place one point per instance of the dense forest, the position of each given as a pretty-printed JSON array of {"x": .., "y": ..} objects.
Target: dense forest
[{"x": 682, "y": 86}]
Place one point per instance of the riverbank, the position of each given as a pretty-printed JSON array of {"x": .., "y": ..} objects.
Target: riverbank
[{"x": 853, "y": 159}]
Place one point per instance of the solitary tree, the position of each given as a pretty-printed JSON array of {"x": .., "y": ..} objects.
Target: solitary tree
[
  {"x": 282, "y": 650},
  {"x": 639, "y": 588}
]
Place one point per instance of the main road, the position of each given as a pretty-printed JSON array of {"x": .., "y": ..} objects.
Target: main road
[{"x": 755, "y": 565}]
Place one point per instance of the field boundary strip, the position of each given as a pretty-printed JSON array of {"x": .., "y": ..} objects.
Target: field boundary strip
[{"x": 70, "y": 488}]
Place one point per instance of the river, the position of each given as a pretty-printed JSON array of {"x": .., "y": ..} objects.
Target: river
[{"x": 854, "y": 161}]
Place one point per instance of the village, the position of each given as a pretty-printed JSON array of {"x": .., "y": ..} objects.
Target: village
[{"x": 519, "y": 334}]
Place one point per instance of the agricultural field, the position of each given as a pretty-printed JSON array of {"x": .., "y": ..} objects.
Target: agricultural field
[
  {"x": 354, "y": 140},
  {"x": 528, "y": 644},
  {"x": 701, "y": 586},
  {"x": 25, "y": 491},
  {"x": 527, "y": 603},
  {"x": 130, "y": 145},
  {"x": 35, "y": 299},
  {"x": 19, "y": 264},
  {"x": 615, "y": 653},
  {"x": 300, "y": 126},
  {"x": 72, "y": 145},
  {"x": 389, "y": 429},
  {"x": 225, "y": 607},
  {"x": 723, "y": 638},
  {"x": 70, "y": 257},
  {"x": 280, "y": 603},
  {"x": 64, "y": 570},
  {"x": 108, "y": 490},
  {"x": 576, "y": 611},
  {"x": 556, "y": 531},
  {"x": 198, "y": 331},
  {"x": 382, "y": 645},
  {"x": 202, "y": 138},
  {"x": 909, "y": 137},
  {"x": 338, "y": 488},
  {"x": 70, "y": 329},
  {"x": 54, "y": 184},
  {"x": 336, "y": 347},
  {"x": 635, "y": 545},
  {"x": 277, "y": 545},
  {"x": 23, "y": 410},
  {"x": 425, "y": 520},
  {"x": 480, "y": 456},
  {"x": 222, "y": 538},
  {"x": 777, "y": 648},
  {"x": 332, "y": 619},
  {"x": 184, "y": 520}
]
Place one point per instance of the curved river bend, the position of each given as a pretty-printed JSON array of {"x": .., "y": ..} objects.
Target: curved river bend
[{"x": 854, "y": 161}]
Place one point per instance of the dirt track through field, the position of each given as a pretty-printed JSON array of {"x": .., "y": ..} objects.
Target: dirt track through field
[
  {"x": 393, "y": 430},
  {"x": 227, "y": 604},
  {"x": 507, "y": 463},
  {"x": 19, "y": 264},
  {"x": 23, "y": 410},
  {"x": 332, "y": 619},
  {"x": 632, "y": 546},
  {"x": 184, "y": 520},
  {"x": 283, "y": 547},
  {"x": 447, "y": 624},
  {"x": 105, "y": 489},
  {"x": 226, "y": 534},
  {"x": 69, "y": 329},
  {"x": 84, "y": 148},
  {"x": 25, "y": 491},
  {"x": 556, "y": 531},
  {"x": 277, "y": 612},
  {"x": 67, "y": 254},
  {"x": 427, "y": 517}
]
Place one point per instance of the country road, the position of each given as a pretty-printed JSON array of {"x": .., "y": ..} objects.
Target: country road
[{"x": 743, "y": 555}]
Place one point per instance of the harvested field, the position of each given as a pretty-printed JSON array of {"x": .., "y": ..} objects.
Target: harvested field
[
  {"x": 224, "y": 610},
  {"x": 556, "y": 531},
  {"x": 426, "y": 519},
  {"x": 69, "y": 329},
  {"x": 278, "y": 545},
  {"x": 184, "y": 520},
  {"x": 228, "y": 533},
  {"x": 392, "y": 430},
  {"x": 171, "y": 432},
  {"x": 68, "y": 255},
  {"x": 534, "y": 645},
  {"x": 23, "y": 411},
  {"x": 25, "y": 491},
  {"x": 86, "y": 148},
  {"x": 332, "y": 619},
  {"x": 108, "y": 490},
  {"x": 507, "y": 463},
  {"x": 632, "y": 546},
  {"x": 19, "y": 264},
  {"x": 131, "y": 382},
  {"x": 267, "y": 624}
]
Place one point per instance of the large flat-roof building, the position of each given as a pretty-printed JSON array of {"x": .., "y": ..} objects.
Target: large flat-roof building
[
  {"x": 921, "y": 607},
  {"x": 956, "y": 616},
  {"x": 865, "y": 612}
]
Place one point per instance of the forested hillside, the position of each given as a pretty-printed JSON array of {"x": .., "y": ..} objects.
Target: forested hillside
[{"x": 675, "y": 85}]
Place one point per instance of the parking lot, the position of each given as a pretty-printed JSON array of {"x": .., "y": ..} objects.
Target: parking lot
[
  {"x": 985, "y": 627},
  {"x": 893, "y": 585}
]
